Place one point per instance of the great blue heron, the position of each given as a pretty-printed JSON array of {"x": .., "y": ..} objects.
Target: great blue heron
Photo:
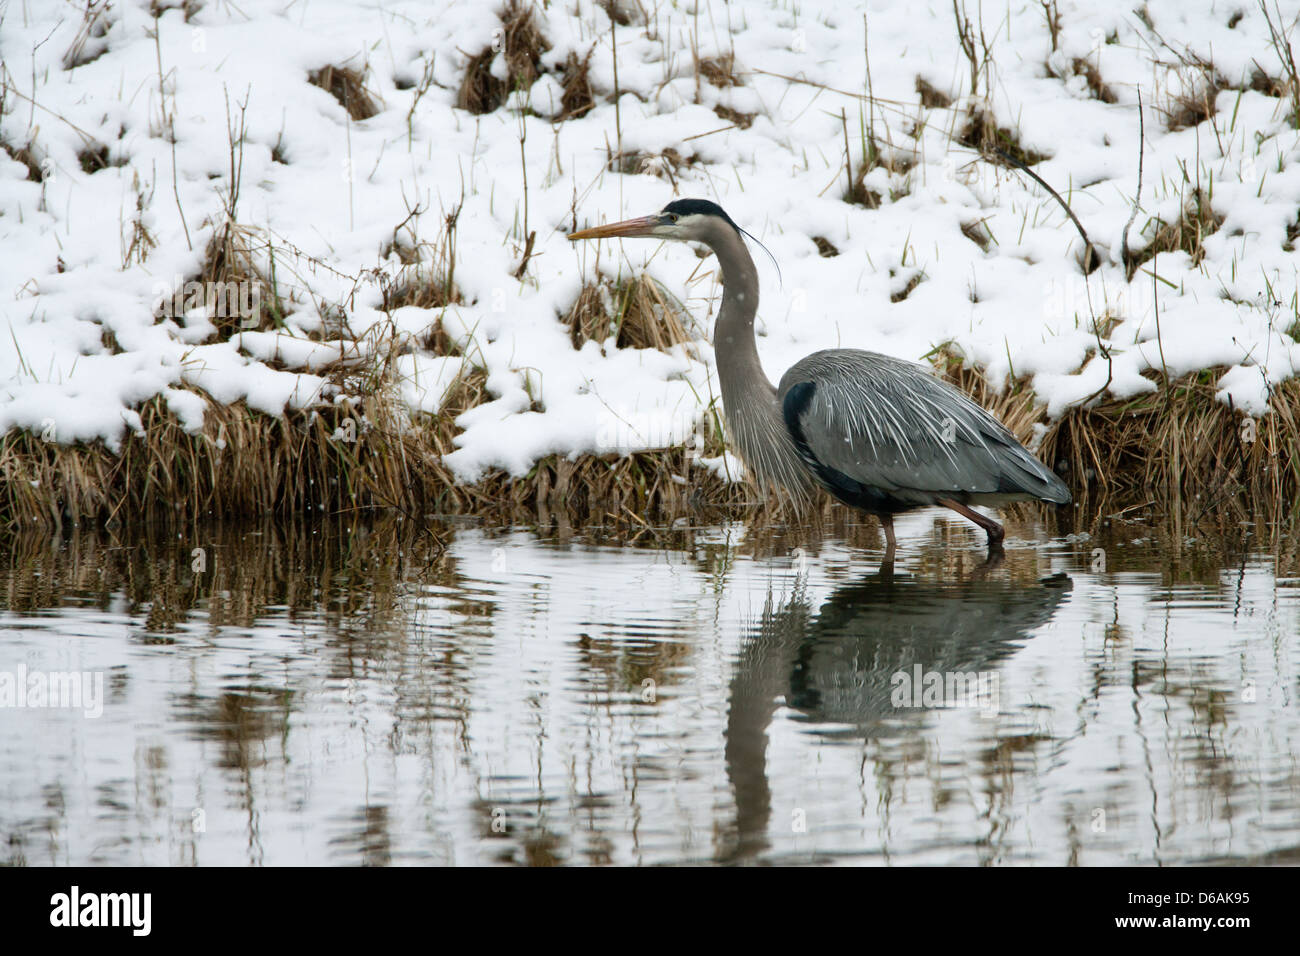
[{"x": 879, "y": 433}]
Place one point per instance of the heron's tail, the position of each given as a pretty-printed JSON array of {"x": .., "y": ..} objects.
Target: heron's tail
[{"x": 1029, "y": 476}]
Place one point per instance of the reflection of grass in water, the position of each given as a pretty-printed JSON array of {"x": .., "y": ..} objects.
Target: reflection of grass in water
[{"x": 236, "y": 573}]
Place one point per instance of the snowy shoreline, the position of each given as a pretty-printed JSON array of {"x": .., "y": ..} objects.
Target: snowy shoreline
[{"x": 190, "y": 224}]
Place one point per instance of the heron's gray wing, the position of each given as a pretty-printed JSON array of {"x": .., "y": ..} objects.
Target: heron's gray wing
[{"x": 868, "y": 423}]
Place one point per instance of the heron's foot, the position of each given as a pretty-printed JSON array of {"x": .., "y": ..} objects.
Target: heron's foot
[{"x": 988, "y": 525}]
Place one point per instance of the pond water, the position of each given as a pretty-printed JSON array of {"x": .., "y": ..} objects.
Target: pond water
[{"x": 352, "y": 694}]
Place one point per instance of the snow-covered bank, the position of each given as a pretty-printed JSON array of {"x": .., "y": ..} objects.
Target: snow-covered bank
[{"x": 118, "y": 173}]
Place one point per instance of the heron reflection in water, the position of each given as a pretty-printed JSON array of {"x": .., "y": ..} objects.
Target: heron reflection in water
[{"x": 836, "y": 668}]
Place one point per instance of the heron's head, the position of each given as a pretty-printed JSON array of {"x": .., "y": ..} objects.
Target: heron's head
[{"x": 697, "y": 220}]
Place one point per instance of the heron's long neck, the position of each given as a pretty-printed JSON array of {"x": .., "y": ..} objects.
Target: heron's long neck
[
  {"x": 739, "y": 369},
  {"x": 754, "y": 417}
]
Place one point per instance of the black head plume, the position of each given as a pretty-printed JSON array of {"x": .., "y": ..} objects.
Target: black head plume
[{"x": 705, "y": 207}]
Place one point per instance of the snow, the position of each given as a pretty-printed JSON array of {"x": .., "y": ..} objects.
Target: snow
[{"x": 1021, "y": 307}]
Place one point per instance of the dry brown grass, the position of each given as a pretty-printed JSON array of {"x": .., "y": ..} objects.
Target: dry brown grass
[
  {"x": 1292, "y": 234},
  {"x": 1098, "y": 89},
  {"x": 719, "y": 70},
  {"x": 637, "y": 313},
  {"x": 931, "y": 96},
  {"x": 1197, "y": 103},
  {"x": 239, "y": 269},
  {"x": 94, "y": 156},
  {"x": 363, "y": 453},
  {"x": 242, "y": 463},
  {"x": 1289, "y": 84},
  {"x": 982, "y": 133},
  {"x": 664, "y": 165},
  {"x": 521, "y": 42},
  {"x": 188, "y": 8},
  {"x": 977, "y": 231},
  {"x": 578, "y": 98},
  {"x": 1185, "y": 451},
  {"x": 641, "y": 489},
  {"x": 418, "y": 284},
  {"x": 735, "y": 117},
  {"x": 27, "y": 156},
  {"x": 91, "y": 39},
  {"x": 1177, "y": 451},
  {"x": 894, "y": 161},
  {"x": 624, "y": 12},
  {"x": 348, "y": 86},
  {"x": 825, "y": 248},
  {"x": 348, "y": 456},
  {"x": 909, "y": 287},
  {"x": 1185, "y": 234}
]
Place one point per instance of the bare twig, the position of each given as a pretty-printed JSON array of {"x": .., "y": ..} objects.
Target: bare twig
[
  {"x": 1091, "y": 257},
  {"x": 1130, "y": 263},
  {"x": 169, "y": 122},
  {"x": 1282, "y": 46}
]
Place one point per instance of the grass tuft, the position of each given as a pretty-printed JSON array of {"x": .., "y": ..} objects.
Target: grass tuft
[
  {"x": 637, "y": 313},
  {"x": 188, "y": 8},
  {"x": 720, "y": 70},
  {"x": 348, "y": 86},
  {"x": 1185, "y": 234},
  {"x": 578, "y": 98},
  {"x": 977, "y": 231},
  {"x": 520, "y": 41},
  {"x": 623, "y": 12},
  {"x": 1195, "y": 106},
  {"x": 232, "y": 266},
  {"x": 915, "y": 279},
  {"x": 932, "y": 97},
  {"x": 1097, "y": 87},
  {"x": 1280, "y": 39},
  {"x": 895, "y": 162},
  {"x": 664, "y": 165},
  {"x": 825, "y": 248},
  {"x": 982, "y": 133},
  {"x": 94, "y": 157},
  {"x": 91, "y": 39},
  {"x": 416, "y": 284},
  {"x": 735, "y": 117},
  {"x": 27, "y": 156},
  {"x": 1292, "y": 234}
]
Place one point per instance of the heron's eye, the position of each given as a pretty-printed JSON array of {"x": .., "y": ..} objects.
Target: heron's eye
[{"x": 672, "y": 216}]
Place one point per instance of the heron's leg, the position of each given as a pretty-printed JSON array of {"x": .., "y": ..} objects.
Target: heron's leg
[
  {"x": 991, "y": 527},
  {"x": 887, "y": 562},
  {"x": 887, "y": 525}
]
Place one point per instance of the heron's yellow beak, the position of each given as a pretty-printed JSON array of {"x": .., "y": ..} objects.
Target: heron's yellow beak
[{"x": 644, "y": 226}]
